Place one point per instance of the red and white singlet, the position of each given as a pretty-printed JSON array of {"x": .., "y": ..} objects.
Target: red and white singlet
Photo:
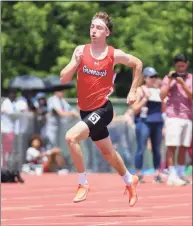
[{"x": 95, "y": 79}]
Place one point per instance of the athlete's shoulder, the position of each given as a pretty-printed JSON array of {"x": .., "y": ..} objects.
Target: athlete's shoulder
[
  {"x": 80, "y": 48},
  {"x": 120, "y": 57},
  {"x": 119, "y": 52}
]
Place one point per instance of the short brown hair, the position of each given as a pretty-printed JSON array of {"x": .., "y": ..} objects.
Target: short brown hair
[
  {"x": 105, "y": 17},
  {"x": 36, "y": 137}
]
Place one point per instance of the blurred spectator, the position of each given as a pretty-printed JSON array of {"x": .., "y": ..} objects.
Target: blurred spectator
[
  {"x": 177, "y": 86},
  {"x": 59, "y": 113},
  {"x": 8, "y": 108},
  {"x": 51, "y": 160},
  {"x": 12, "y": 123},
  {"x": 41, "y": 110},
  {"x": 149, "y": 122},
  {"x": 22, "y": 105},
  {"x": 158, "y": 83},
  {"x": 58, "y": 106},
  {"x": 41, "y": 104},
  {"x": 190, "y": 152},
  {"x": 123, "y": 124},
  {"x": 26, "y": 100},
  {"x": 128, "y": 117},
  {"x": 21, "y": 123}
]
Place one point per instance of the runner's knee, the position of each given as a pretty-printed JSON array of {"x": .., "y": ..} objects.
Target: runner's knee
[{"x": 71, "y": 137}]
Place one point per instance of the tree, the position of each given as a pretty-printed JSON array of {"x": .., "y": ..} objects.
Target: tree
[{"x": 39, "y": 37}]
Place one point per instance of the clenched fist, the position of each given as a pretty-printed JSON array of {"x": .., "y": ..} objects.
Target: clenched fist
[{"x": 78, "y": 55}]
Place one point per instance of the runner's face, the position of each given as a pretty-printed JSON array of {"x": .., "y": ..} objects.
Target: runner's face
[{"x": 98, "y": 32}]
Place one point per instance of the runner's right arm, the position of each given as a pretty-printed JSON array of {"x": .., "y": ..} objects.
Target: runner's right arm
[{"x": 67, "y": 73}]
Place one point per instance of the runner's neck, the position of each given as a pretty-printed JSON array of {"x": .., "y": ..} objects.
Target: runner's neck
[{"x": 99, "y": 51}]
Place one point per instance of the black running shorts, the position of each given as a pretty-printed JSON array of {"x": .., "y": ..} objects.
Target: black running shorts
[{"x": 98, "y": 120}]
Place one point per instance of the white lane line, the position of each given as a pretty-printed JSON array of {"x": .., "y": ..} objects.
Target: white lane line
[
  {"x": 170, "y": 206},
  {"x": 165, "y": 219},
  {"x": 44, "y": 206},
  {"x": 125, "y": 210},
  {"x": 20, "y": 207}
]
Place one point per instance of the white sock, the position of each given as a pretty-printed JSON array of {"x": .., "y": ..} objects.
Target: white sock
[
  {"x": 181, "y": 170},
  {"x": 82, "y": 178},
  {"x": 127, "y": 178},
  {"x": 172, "y": 171}
]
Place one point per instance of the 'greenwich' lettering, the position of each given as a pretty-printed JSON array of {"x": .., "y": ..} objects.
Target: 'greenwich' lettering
[{"x": 94, "y": 72}]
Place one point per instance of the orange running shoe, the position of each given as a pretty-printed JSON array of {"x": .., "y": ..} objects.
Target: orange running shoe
[
  {"x": 132, "y": 191},
  {"x": 81, "y": 193}
]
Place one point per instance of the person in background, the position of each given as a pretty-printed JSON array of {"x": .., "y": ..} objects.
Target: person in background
[
  {"x": 41, "y": 104},
  {"x": 127, "y": 116},
  {"x": 12, "y": 122},
  {"x": 41, "y": 110},
  {"x": 123, "y": 124},
  {"x": 149, "y": 122},
  {"x": 8, "y": 108},
  {"x": 51, "y": 160},
  {"x": 26, "y": 100},
  {"x": 190, "y": 152},
  {"x": 158, "y": 83},
  {"x": 177, "y": 87},
  {"x": 59, "y": 106},
  {"x": 60, "y": 112}
]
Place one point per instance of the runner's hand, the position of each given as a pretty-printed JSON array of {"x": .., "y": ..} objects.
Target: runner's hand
[
  {"x": 132, "y": 97},
  {"x": 78, "y": 55}
]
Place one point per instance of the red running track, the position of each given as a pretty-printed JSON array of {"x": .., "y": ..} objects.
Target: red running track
[{"x": 47, "y": 201}]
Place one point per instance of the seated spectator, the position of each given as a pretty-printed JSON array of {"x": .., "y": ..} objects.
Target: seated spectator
[{"x": 51, "y": 160}]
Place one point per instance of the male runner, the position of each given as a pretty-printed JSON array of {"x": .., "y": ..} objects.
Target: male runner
[{"x": 95, "y": 80}]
